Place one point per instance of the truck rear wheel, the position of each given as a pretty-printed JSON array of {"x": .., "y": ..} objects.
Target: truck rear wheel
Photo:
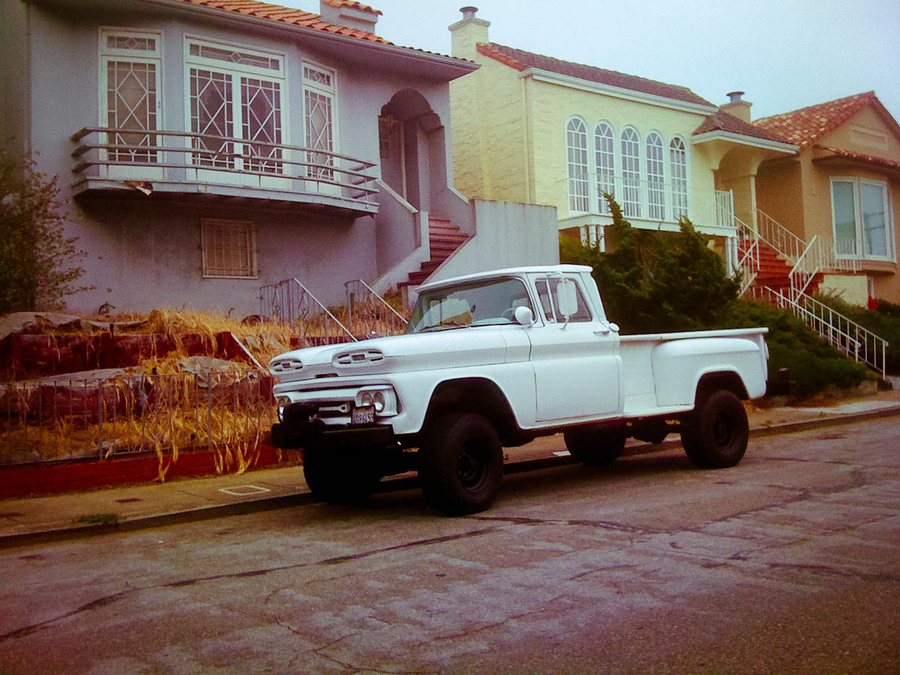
[
  {"x": 339, "y": 476},
  {"x": 595, "y": 447},
  {"x": 461, "y": 464},
  {"x": 716, "y": 436}
]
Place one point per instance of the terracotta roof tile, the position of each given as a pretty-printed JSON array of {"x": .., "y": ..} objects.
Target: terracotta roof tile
[
  {"x": 861, "y": 157},
  {"x": 805, "y": 126},
  {"x": 522, "y": 60},
  {"x": 725, "y": 121},
  {"x": 294, "y": 17},
  {"x": 352, "y": 5}
]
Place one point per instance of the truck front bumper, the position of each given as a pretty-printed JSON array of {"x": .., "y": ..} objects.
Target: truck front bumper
[{"x": 302, "y": 434}]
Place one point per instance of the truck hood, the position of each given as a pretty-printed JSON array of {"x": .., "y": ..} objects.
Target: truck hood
[{"x": 457, "y": 347}]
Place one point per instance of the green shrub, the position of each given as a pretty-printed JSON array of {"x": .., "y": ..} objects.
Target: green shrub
[
  {"x": 35, "y": 255},
  {"x": 812, "y": 363},
  {"x": 662, "y": 281},
  {"x": 883, "y": 322},
  {"x": 657, "y": 281}
]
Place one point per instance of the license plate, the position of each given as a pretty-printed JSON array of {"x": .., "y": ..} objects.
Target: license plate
[{"x": 362, "y": 415}]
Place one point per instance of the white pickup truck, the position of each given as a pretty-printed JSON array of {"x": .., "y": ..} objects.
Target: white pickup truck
[{"x": 497, "y": 359}]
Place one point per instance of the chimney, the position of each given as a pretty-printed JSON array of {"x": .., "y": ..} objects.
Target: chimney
[
  {"x": 467, "y": 33},
  {"x": 349, "y": 13},
  {"x": 737, "y": 106}
]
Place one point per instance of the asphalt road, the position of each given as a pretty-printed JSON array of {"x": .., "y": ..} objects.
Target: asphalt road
[{"x": 787, "y": 563}]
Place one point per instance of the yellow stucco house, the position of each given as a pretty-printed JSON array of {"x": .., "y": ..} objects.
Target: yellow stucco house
[
  {"x": 535, "y": 129},
  {"x": 840, "y": 192}
]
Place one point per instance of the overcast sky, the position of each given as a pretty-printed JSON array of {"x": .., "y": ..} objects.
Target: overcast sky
[{"x": 785, "y": 54}]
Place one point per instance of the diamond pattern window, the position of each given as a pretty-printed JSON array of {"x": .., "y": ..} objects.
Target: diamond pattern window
[{"x": 130, "y": 67}]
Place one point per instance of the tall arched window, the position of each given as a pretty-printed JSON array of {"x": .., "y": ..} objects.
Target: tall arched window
[
  {"x": 577, "y": 163},
  {"x": 631, "y": 173},
  {"x": 678, "y": 171},
  {"x": 656, "y": 188},
  {"x": 605, "y": 159}
]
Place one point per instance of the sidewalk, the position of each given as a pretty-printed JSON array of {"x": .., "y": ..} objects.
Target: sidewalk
[{"x": 29, "y": 520}]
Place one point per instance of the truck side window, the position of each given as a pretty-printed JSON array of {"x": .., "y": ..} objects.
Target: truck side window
[{"x": 546, "y": 289}]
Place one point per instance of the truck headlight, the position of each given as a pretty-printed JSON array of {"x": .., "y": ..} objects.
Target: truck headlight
[{"x": 382, "y": 399}]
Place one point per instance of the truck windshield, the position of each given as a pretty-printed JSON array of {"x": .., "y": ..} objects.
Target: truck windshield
[{"x": 480, "y": 303}]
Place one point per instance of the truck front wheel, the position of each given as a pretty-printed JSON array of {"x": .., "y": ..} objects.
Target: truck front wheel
[
  {"x": 339, "y": 476},
  {"x": 595, "y": 447},
  {"x": 461, "y": 464},
  {"x": 716, "y": 435}
]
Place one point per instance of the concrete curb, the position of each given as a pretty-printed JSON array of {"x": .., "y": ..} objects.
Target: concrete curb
[{"x": 302, "y": 498}]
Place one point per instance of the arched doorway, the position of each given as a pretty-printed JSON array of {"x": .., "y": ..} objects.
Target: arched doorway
[{"x": 413, "y": 154}]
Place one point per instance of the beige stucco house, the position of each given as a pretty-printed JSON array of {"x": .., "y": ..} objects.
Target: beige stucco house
[
  {"x": 840, "y": 192},
  {"x": 532, "y": 128}
]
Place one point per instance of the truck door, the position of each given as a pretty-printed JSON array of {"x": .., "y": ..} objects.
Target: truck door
[{"x": 576, "y": 362}]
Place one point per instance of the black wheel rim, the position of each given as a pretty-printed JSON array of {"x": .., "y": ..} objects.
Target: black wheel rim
[
  {"x": 723, "y": 430},
  {"x": 471, "y": 467}
]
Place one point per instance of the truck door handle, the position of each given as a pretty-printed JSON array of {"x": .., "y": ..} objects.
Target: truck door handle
[{"x": 601, "y": 331}]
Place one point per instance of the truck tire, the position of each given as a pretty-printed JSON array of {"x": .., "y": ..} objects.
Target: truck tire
[
  {"x": 341, "y": 476},
  {"x": 595, "y": 447},
  {"x": 716, "y": 435},
  {"x": 461, "y": 464}
]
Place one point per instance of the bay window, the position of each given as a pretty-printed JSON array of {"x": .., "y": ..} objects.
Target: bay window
[
  {"x": 235, "y": 108},
  {"x": 861, "y": 219}
]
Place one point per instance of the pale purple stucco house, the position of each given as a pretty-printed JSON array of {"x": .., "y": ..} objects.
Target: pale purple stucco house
[{"x": 212, "y": 147}]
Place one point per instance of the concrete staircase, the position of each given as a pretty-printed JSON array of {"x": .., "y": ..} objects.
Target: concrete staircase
[
  {"x": 443, "y": 239},
  {"x": 774, "y": 270}
]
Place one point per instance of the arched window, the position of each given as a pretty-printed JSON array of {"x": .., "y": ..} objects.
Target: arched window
[
  {"x": 577, "y": 163},
  {"x": 678, "y": 171},
  {"x": 656, "y": 180},
  {"x": 605, "y": 159},
  {"x": 631, "y": 173}
]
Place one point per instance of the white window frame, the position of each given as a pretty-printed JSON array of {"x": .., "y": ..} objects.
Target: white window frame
[
  {"x": 605, "y": 163},
  {"x": 133, "y": 55},
  {"x": 860, "y": 241},
  {"x": 577, "y": 171},
  {"x": 322, "y": 178},
  {"x": 233, "y": 169},
  {"x": 212, "y": 247},
  {"x": 679, "y": 178},
  {"x": 655, "y": 154},
  {"x": 631, "y": 172}
]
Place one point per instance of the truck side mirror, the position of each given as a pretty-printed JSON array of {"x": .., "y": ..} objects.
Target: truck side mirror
[
  {"x": 524, "y": 315},
  {"x": 567, "y": 298}
]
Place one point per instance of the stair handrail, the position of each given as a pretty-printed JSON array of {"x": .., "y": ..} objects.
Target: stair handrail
[
  {"x": 293, "y": 304},
  {"x": 844, "y": 334},
  {"x": 356, "y": 288},
  {"x": 778, "y": 237},
  {"x": 807, "y": 266}
]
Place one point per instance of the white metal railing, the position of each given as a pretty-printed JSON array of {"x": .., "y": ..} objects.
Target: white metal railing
[
  {"x": 370, "y": 315},
  {"x": 289, "y": 302},
  {"x": 174, "y": 157},
  {"x": 648, "y": 200},
  {"x": 847, "y": 336}
]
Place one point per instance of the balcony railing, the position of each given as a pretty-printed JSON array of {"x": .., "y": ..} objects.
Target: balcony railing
[
  {"x": 654, "y": 201},
  {"x": 182, "y": 162}
]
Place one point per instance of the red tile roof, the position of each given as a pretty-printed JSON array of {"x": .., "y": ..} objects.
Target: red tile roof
[
  {"x": 806, "y": 126},
  {"x": 295, "y": 17},
  {"x": 725, "y": 121},
  {"x": 860, "y": 157},
  {"x": 352, "y": 5},
  {"x": 522, "y": 60}
]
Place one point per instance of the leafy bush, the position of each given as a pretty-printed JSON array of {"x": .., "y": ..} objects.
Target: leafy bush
[
  {"x": 35, "y": 255},
  {"x": 657, "y": 281},
  {"x": 883, "y": 322},
  {"x": 812, "y": 363}
]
